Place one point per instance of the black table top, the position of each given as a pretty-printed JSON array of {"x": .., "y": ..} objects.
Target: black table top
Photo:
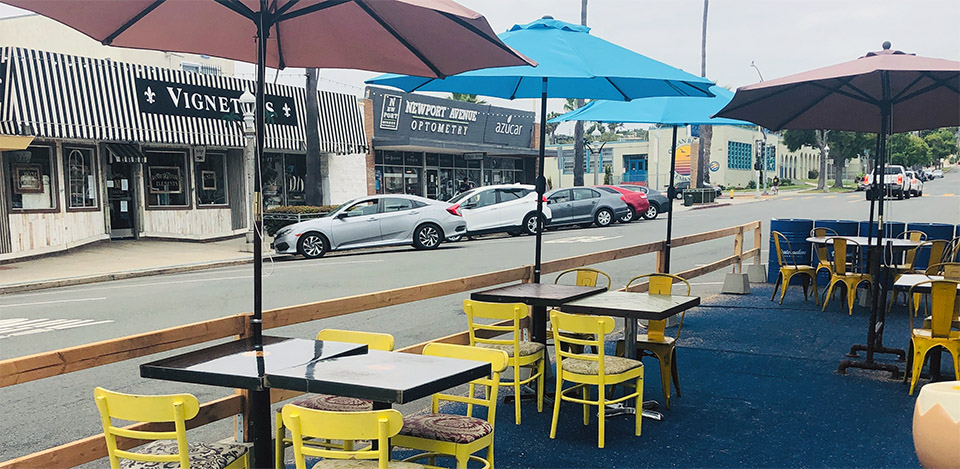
[
  {"x": 536, "y": 294},
  {"x": 235, "y": 364},
  {"x": 388, "y": 377},
  {"x": 908, "y": 280},
  {"x": 632, "y": 305}
]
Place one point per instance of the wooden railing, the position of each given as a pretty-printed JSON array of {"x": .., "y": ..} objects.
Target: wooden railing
[{"x": 47, "y": 364}]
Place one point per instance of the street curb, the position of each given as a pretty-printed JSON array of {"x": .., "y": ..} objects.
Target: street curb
[
  {"x": 72, "y": 281},
  {"x": 727, "y": 204}
]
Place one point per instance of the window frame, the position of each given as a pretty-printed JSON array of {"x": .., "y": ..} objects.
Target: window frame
[
  {"x": 187, "y": 179},
  {"x": 413, "y": 204},
  {"x": 94, "y": 171},
  {"x": 6, "y": 167}
]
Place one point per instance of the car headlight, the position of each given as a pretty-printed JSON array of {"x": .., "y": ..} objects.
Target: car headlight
[{"x": 282, "y": 232}]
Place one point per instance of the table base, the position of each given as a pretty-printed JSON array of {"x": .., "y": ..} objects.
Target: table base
[{"x": 649, "y": 410}]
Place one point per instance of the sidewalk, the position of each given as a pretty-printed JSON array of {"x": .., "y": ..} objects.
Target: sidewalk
[{"x": 116, "y": 260}]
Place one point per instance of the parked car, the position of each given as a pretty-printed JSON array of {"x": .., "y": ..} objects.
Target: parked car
[
  {"x": 380, "y": 220},
  {"x": 684, "y": 185},
  {"x": 585, "y": 206},
  {"x": 937, "y": 173},
  {"x": 658, "y": 201},
  {"x": 510, "y": 208},
  {"x": 895, "y": 182},
  {"x": 637, "y": 203},
  {"x": 916, "y": 185}
]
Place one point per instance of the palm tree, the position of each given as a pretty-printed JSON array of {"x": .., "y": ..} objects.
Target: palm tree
[{"x": 467, "y": 98}]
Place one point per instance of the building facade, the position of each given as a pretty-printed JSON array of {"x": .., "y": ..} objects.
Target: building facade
[
  {"x": 122, "y": 150},
  {"x": 432, "y": 147}
]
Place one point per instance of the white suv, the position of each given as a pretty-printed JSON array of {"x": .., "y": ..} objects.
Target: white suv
[{"x": 510, "y": 208}]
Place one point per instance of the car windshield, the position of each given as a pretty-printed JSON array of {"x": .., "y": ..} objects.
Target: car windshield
[
  {"x": 340, "y": 207},
  {"x": 607, "y": 189},
  {"x": 457, "y": 198},
  {"x": 892, "y": 170}
]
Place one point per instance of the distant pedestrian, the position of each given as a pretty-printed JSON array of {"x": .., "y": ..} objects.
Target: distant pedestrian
[
  {"x": 465, "y": 185},
  {"x": 776, "y": 181}
]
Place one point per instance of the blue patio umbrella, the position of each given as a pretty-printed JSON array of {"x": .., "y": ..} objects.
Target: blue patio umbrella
[
  {"x": 673, "y": 111},
  {"x": 571, "y": 64}
]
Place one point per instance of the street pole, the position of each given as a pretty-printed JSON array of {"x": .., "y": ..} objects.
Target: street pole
[{"x": 763, "y": 154}]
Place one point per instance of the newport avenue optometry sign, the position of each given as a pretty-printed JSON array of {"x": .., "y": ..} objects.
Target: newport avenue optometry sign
[
  {"x": 400, "y": 115},
  {"x": 179, "y": 99}
]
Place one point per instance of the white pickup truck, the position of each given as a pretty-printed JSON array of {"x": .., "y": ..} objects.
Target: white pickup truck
[{"x": 896, "y": 183}]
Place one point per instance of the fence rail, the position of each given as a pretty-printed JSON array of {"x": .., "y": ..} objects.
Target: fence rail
[{"x": 47, "y": 364}]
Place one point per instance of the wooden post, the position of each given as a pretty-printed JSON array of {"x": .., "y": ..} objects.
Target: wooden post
[
  {"x": 661, "y": 262},
  {"x": 738, "y": 250}
]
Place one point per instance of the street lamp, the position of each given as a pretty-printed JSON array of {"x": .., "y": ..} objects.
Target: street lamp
[
  {"x": 248, "y": 104},
  {"x": 596, "y": 152}
]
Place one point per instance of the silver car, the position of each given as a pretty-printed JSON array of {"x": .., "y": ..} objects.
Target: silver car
[
  {"x": 378, "y": 220},
  {"x": 584, "y": 206}
]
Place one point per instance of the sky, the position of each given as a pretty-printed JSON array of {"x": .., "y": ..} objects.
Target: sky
[{"x": 780, "y": 37}]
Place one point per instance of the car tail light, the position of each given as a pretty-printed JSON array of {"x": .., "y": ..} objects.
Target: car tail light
[
  {"x": 899, "y": 179},
  {"x": 623, "y": 198},
  {"x": 866, "y": 179},
  {"x": 454, "y": 210},
  {"x": 544, "y": 199}
]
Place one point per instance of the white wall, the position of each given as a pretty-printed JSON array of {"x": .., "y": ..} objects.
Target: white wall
[{"x": 347, "y": 177}]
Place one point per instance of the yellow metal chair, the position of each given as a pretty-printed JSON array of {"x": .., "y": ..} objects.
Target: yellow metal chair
[
  {"x": 839, "y": 273},
  {"x": 943, "y": 298},
  {"x": 949, "y": 271},
  {"x": 823, "y": 262},
  {"x": 938, "y": 248},
  {"x": 655, "y": 342},
  {"x": 168, "y": 446},
  {"x": 456, "y": 435},
  {"x": 790, "y": 269},
  {"x": 586, "y": 370},
  {"x": 379, "y": 425},
  {"x": 373, "y": 341},
  {"x": 522, "y": 353},
  {"x": 585, "y": 277}
]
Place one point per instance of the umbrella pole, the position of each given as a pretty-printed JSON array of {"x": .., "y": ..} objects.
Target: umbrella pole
[
  {"x": 671, "y": 193},
  {"x": 541, "y": 181}
]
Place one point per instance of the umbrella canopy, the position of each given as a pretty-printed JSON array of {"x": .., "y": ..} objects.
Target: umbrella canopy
[
  {"x": 673, "y": 111},
  {"x": 921, "y": 94},
  {"x": 418, "y": 37},
  {"x": 666, "y": 111},
  {"x": 576, "y": 64},
  {"x": 571, "y": 63}
]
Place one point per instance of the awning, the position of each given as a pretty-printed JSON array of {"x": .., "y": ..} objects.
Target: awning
[
  {"x": 14, "y": 142},
  {"x": 125, "y": 153}
]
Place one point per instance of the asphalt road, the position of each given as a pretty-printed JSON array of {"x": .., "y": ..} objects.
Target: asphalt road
[{"x": 44, "y": 413}]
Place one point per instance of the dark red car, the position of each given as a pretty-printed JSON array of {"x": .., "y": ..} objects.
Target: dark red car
[{"x": 636, "y": 202}]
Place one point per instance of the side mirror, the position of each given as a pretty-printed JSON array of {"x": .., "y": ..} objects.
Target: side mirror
[{"x": 342, "y": 215}]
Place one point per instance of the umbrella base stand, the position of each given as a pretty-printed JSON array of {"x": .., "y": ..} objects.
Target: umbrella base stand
[
  {"x": 649, "y": 410},
  {"x": 869, "y": 365},
  {"x": 901, "y": 353}
]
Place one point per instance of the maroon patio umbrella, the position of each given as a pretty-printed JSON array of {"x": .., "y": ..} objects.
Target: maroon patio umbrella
[
  {"x": 884, "y": 92},
  {"x": 430, "y": 38}
]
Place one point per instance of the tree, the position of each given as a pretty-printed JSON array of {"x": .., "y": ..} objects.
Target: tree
[
  {"x": 314, "y": 177},
  {"x": 942, "y": 143},
  {"x": 794, "y": 139},
  {"x": 549, "y": 128},
  {"x": 845, "y": 146},
  {"x": 908, "y": 150},
  {"x": 467, "y": 98}
]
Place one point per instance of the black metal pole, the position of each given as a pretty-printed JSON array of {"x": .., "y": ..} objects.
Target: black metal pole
[
  {"x": 671, "y": 194},
  {"x": 876, "y": 256},
  {"x": 541, "y": 181}
]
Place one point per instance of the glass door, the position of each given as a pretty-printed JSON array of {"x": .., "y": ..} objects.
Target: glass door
[
  {"x": 121, "y": 200},
  {"x": 433, "y": 184}
]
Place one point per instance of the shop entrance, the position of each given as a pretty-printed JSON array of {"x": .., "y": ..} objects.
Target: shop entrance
[
  {"x": 433, "y": 184},
  {"x": 121, "y": 200}
]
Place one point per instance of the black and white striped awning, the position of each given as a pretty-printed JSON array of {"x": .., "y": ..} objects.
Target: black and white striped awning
[{"x": 59, "y": 96}]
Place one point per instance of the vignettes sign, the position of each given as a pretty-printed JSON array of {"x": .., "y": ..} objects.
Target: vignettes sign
[
  {"x": 404, "y": 115},
  {"x": 178, "y": 99}
]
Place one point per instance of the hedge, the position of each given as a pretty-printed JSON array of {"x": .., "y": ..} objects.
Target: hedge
[{"x": 271, "y": 225}]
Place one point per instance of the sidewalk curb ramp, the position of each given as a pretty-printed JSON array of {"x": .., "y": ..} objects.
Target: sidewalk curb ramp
[{"x": 126, "y": 274}]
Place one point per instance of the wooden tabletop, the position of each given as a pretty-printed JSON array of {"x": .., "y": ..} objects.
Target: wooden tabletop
[
  {"x": 536, "y": 294},
  {"x": 387, "y": 377},
  {"x": 235, "y": 365},
  {"x": 632, "y": 305}
]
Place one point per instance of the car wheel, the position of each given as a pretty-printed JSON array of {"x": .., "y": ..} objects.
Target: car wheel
[
  {"x": 312, "y": 245},
  {"x": 427, "y": 236},
  {"x": 651, "y": 213},
  {"x": 679, "y": 195},
  {"x": 604, "y": 217},
  {"x": 629, "y": 216},
  {"x": 900, "y": 195},
  {"x": 530, "y": 224}
]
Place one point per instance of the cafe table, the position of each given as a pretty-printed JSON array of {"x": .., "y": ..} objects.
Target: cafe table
[
  {"x": 540, "y": 296},
  {"x": 632, "y": 307}
]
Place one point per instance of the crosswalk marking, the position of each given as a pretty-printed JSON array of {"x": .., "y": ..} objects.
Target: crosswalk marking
[
  {"x": 23, "y": 326},
  {"x": 949, "y": 195}
]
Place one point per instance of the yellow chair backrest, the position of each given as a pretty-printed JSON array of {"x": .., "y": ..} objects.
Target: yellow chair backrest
[
  {"x": 373, "y": 340},
  {"x": 586, "y": 277},
  {"x": 377, "y": 425},
  {"x": 176, "y": 408},
  {"x": 943, "y": 297},
  {"x": 913, "y": 235},
  {"x": 822, "y": 232},
  {"x": 949, "y": 270},
  {"x": 513, "y": 312},
  {"x": 498, "y": 362},
  {"x": 579, "y": 329},
  {"x": 840, "y": 247},
  {"x": 661, "y": 284}
]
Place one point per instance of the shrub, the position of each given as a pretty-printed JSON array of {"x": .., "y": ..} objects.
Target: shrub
[
  {"x": 813, "y": 174},
  {"x": 272, "y": 224},
  {"x": 752, "y": 184},
  {"x": 786, "y": 182}
]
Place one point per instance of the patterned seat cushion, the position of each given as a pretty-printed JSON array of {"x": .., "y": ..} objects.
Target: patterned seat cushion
[
  {"x": 334, "y": 403},
  {"x": 363, "y": 464},
  {"x": 611, "y": 365},
  {"x": 526, "y": 348},
  {"x": 202, "y": 455},
  {"x": 446, "y": 427}
]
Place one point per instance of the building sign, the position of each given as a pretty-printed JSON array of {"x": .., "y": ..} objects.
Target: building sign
[
  {"x": 164, "y": 179},
  {"x": 179, "y": 99},
  {"x": 426, "y": 117},
  {"x": 714, "y": 166}
]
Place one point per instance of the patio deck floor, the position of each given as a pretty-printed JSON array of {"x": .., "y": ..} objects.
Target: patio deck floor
[{"x": 760, "y": 389}]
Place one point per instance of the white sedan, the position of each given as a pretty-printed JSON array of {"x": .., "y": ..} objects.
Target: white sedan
[{"x": 378, "y": 220}]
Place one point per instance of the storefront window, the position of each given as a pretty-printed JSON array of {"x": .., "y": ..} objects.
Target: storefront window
[
  {"x": 271, "y": 173},
  {"x": 166, "y": 178},
  {"x": 412, "y": 180},
  {"x": 30, "y": 173},
  {"x": 284, "y": 179},
  {"x": 392, "y": 180},
  {"x": 211, "y": 176},
  {"x": 81, "y": 178},
  {"x": 295, "y": 176}
]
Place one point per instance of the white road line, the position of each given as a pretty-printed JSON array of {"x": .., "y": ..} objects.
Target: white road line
[
  {"x": 53, "y": 302},
  {"x": 24, "y": 326},
  {"x": 581, "y": 239}
]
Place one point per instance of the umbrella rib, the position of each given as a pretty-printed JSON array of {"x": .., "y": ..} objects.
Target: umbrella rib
[
  {"x": 239, "y": 8},
  {"x": 396, "y": 35},
  {"x": 614, "y": 85},
  {"x": 860, "y": 96},
  {"x": 939, "y": 83},
  {"x": 139, "y": 16},
  {"x": 749, "y": 102},
  {"x": 907, "y": 88},
  {"x": 799, "y": 113},
  {"x": 283, "y": 15},
  {"x": 514, "y": 94}
]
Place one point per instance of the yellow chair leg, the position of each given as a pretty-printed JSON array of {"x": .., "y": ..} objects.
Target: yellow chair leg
[
  {"x": 783, "y": 288},
  {"x": 826, "y": 299},
  {"x": 556, "y": 407},
  {"x": 851, "y": 297},
  {"x": 516, "y": 391},
  {"x": 540, "y": 369},
  {"x": 674, "y": 370},
  {"x": 585, "y": 394},
  {"x": 639, "y": 404},
  {"x": 816, "y": 291},
  {"x": 919, "y": 356},
  {"x": 602, "y": 413},
  {"x": 776, "y": 285},
  {"x": 665, "y": 372}
]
